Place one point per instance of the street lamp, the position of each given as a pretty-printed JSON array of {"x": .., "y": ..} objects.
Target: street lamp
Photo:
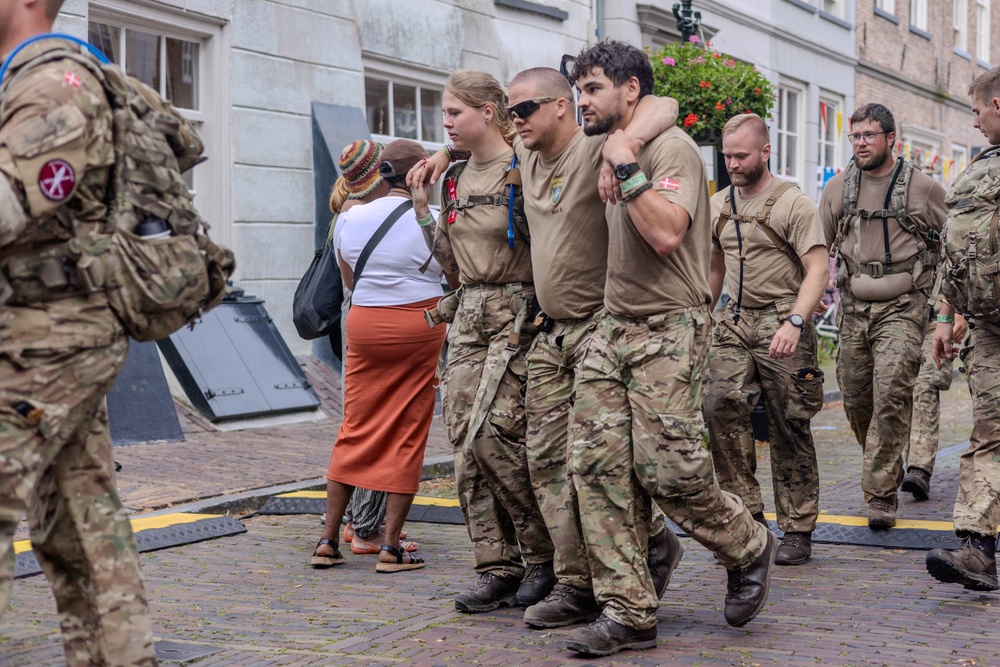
[{"x": 688, "y": 21}]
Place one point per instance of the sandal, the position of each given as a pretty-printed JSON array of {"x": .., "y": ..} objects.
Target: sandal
[
  {"x": 413, "y": 562},
  {"x": 348, "y": 533},
  {"x": 320, "y": 561},
  {"x": 362, "y": 547}
]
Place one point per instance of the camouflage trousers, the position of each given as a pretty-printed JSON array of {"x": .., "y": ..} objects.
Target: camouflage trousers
[
  {"x": 977, "y": 506},
  {"x": 739, "y": 370},
  {"x": 637, "y": 426},
  {"x": 491, "y": 468},
  {"x": 877, "y": 363},
  {"x": 56, "y": 464},
  {"x": 922, "y": 446}
]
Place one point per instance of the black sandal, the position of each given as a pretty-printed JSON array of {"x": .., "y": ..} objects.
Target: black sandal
[
  {"x": 413, "y": 562},
  {"x": 320, "y": 562}
]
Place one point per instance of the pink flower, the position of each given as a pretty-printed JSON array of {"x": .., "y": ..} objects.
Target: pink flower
[
  {"x": 693, "y": 38},
  {"x": 669, "y": 61}
]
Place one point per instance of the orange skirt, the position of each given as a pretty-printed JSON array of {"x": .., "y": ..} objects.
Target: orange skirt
[{"x": 388, "y": 397}]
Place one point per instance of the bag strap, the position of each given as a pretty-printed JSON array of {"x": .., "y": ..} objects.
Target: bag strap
[{"x": 377, "y": 237}]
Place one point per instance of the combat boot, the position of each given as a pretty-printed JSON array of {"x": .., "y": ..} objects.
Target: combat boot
[
  {"x": 917, "y": 482},
  {"x": 490, "y": 592},
  {"x": 565, "y": 605},
  {"x": 748, "y": 587},
  {"x": 605, "y": 636},
  {"x": 795, "y": 549},
  {"x": 973, "y": 565},
  {"x": 665, "y": 552},
  {"x": 881, "y": 514},
  {"x": 538, "y": 581}
]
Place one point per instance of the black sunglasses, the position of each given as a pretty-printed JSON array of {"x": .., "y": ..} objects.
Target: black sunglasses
[{"x": 524, "y": 109}]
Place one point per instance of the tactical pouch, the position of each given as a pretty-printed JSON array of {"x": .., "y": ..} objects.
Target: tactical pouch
[
  {"x": 805, "y": 394},
  {"x": 444, "y": 311}
]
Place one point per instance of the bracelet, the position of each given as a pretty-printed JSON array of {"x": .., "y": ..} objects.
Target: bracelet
[
  {"x": 945, "y": 319},
  {"x": 456, "y": 154},
  {"x": 426, "y": 221},
  {"x": 450, "y": 151},
  {"x": 636, "y": 191},
  {"x": 633, "y": 182}
]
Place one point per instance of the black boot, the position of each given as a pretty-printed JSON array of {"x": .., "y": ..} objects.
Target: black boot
[
  {"x": 490, "y": 592},
  {"x": 665, "y": 552},
  {"x": 974, "y": 564},
  {"x": 605, "y": 636},
  {"x": 538, "y": 581},
  {"x": 748, "y": 587}
]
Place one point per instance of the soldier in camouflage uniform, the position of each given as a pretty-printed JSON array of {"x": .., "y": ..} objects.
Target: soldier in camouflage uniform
[
  {"x": 484, "y": 382},
  {"x": 60, "y": 355},
  {"x": 769, "y": 242},
  {"x": 882, "y": 219},
  {"x": 974, "y": 196},
  {"x": 637, "y": 420},
  {"x": 922, "y": 448}
]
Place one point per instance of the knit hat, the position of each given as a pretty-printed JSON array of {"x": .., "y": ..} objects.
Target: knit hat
[
  {"x": 359, "y": 164},
  {"x": 399, "y": 156}
]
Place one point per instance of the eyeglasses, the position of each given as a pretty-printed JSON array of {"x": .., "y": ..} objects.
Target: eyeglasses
[
  {"x": 869, "y": 137},
  {"x": 524, "y": 109}
]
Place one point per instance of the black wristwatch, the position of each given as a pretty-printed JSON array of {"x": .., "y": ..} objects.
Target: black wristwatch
[
  {"x": 796, "y": 320},
  {"x": 624, "y": 171}
]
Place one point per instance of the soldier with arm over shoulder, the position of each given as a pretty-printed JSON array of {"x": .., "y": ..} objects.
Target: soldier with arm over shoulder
[{"x": 61, "y": 347}]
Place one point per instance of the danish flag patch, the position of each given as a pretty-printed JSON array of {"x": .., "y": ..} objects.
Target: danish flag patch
[
  {"x": 670, "y": 184},
  {"x": 56, "y": 180},
  {"x": 71, "y": 79}
]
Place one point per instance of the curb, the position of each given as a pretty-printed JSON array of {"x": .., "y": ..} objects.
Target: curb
[{"x": 249, "y": 502}]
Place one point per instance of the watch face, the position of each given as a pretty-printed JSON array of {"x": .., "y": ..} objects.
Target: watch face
[
  {"x": 623, "y": 171},
  {"x": 796, "y": 320}
]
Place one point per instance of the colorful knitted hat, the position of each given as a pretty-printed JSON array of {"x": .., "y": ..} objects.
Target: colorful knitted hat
[{"x": 359, "y": 164}]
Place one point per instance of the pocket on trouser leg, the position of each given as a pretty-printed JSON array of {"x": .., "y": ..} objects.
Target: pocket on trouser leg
[
  {"x": 677, "y": 462},
  {"x": 805, "y": 394}
]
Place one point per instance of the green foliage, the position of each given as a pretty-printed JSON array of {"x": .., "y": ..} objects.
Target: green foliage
[{"x": 709, "y": 86}]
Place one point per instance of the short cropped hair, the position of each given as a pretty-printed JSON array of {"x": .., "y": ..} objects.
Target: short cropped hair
[
  {"x": 751, "y": 120},
  {"x": 986, "y": 86},
  {"x": 876, "y": 113},
  {"x": 618, "y": 61},
  {"x": 549, "y": 82}
]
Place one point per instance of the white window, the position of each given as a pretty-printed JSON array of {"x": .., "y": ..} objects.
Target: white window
[
  {"x": 960, "y": 24},
  {"x": 833, "y": 7},
  {"x": 787, "y": 157},
  {"x": 983, "y": 30},
  {"x": 400, "y": 109},
  {"x": 829, "y": 138},
  {"x": 178, "y": 57},
  {"x": 887, "y": 6},
  {"x": 956, "y": 164},
  {"x": 918, "y": 14}
]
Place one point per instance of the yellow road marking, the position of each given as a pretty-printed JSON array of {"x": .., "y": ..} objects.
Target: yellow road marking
[
  {"x": 139, "y": 524},
  {"x": 861, "y": 521},
  {"x": 417, "y": 500}
]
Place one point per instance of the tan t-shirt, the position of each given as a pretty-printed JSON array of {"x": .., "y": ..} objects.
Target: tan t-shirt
[
  {"x": 925, "y": 204},
  {"x": 768, "y": 273},
  {"x": 640, "y": 281},
  {"x": 569, "y": 235},
  {"x": 479, "y": 234}
]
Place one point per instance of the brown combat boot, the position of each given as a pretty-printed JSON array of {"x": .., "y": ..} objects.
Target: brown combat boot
[
  {"x": 537, "y": 582},
  {"x": 881, "y": 514},
  {"x": 605, "y": 636},
  {"x": 565, "y": 605},
  {"x": 795, "y": 549},
  {"x": 488, "y": 593},
  {"x": 748, "y": 587},
  {"x": 974, "y": 564},
  {"x": 665, "y": 552},
  {"x": 917, "y": 482}
]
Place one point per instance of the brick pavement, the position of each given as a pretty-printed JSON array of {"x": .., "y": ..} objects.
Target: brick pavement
[{"x": 253, "y": 596}]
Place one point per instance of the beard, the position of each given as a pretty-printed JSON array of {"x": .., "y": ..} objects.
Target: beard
[
  {"x": 601, "y": 125},
  {"x": 742, "y": 179},
  {"x": 874, "y": 161}
]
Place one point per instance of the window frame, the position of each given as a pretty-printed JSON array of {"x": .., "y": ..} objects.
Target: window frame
[
  {"x": 782, "y": 134},
  {"x": 833, "y": 104},
  {"x": 419, "y": 78},
  {"x": 918, "y": 14},
  {"x": 960, "y": 24},
  {"x": 887, "y": 6},
  {"x": 983, "y": 37}
]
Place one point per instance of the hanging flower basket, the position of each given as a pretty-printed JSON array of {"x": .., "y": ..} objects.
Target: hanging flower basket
[{"x": 710, "y": 87}]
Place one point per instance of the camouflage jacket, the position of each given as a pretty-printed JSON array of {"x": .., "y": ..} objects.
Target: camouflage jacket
[{"x": 55, "y": 152}]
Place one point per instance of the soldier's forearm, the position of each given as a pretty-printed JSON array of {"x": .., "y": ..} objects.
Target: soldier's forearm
[{"x": 12, "y": 216}]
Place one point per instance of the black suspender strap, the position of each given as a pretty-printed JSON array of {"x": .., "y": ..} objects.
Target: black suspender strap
[
  {"x": 739, "y": 245},
  {"x": 885, "y": 207}
]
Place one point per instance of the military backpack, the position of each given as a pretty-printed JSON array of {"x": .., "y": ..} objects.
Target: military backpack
[
  {"x": 969, "y": 277},
  {"x": 155, "y": 286}
]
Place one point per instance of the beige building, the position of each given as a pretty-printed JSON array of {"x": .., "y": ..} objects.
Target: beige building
[{"x": 918, "y": 58}]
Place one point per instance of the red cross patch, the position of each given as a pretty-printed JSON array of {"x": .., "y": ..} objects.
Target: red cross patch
[
  {"x": 670, "y": 184},
  {"x": 56, "y": 180},
  {"x": 71, "y": 79}
]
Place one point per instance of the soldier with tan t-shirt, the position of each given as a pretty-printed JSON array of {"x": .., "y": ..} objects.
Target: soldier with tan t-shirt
[
  {"x": 768, "y": 243},
  {"x": 637, "y": 424},
  {"x": 882, "y": 218}
]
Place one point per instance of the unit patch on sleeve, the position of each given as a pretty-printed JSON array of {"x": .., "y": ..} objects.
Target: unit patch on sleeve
[{"x": 56, "y": 180}]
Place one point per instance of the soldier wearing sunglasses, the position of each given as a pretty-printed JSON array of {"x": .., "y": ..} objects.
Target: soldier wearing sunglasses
[
  {"x": 882, "y": 218},
  {"x": 560, "y": 170}
]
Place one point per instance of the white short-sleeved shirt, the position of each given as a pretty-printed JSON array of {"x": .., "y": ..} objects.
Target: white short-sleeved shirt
[{"x": 391, "y": 277}]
